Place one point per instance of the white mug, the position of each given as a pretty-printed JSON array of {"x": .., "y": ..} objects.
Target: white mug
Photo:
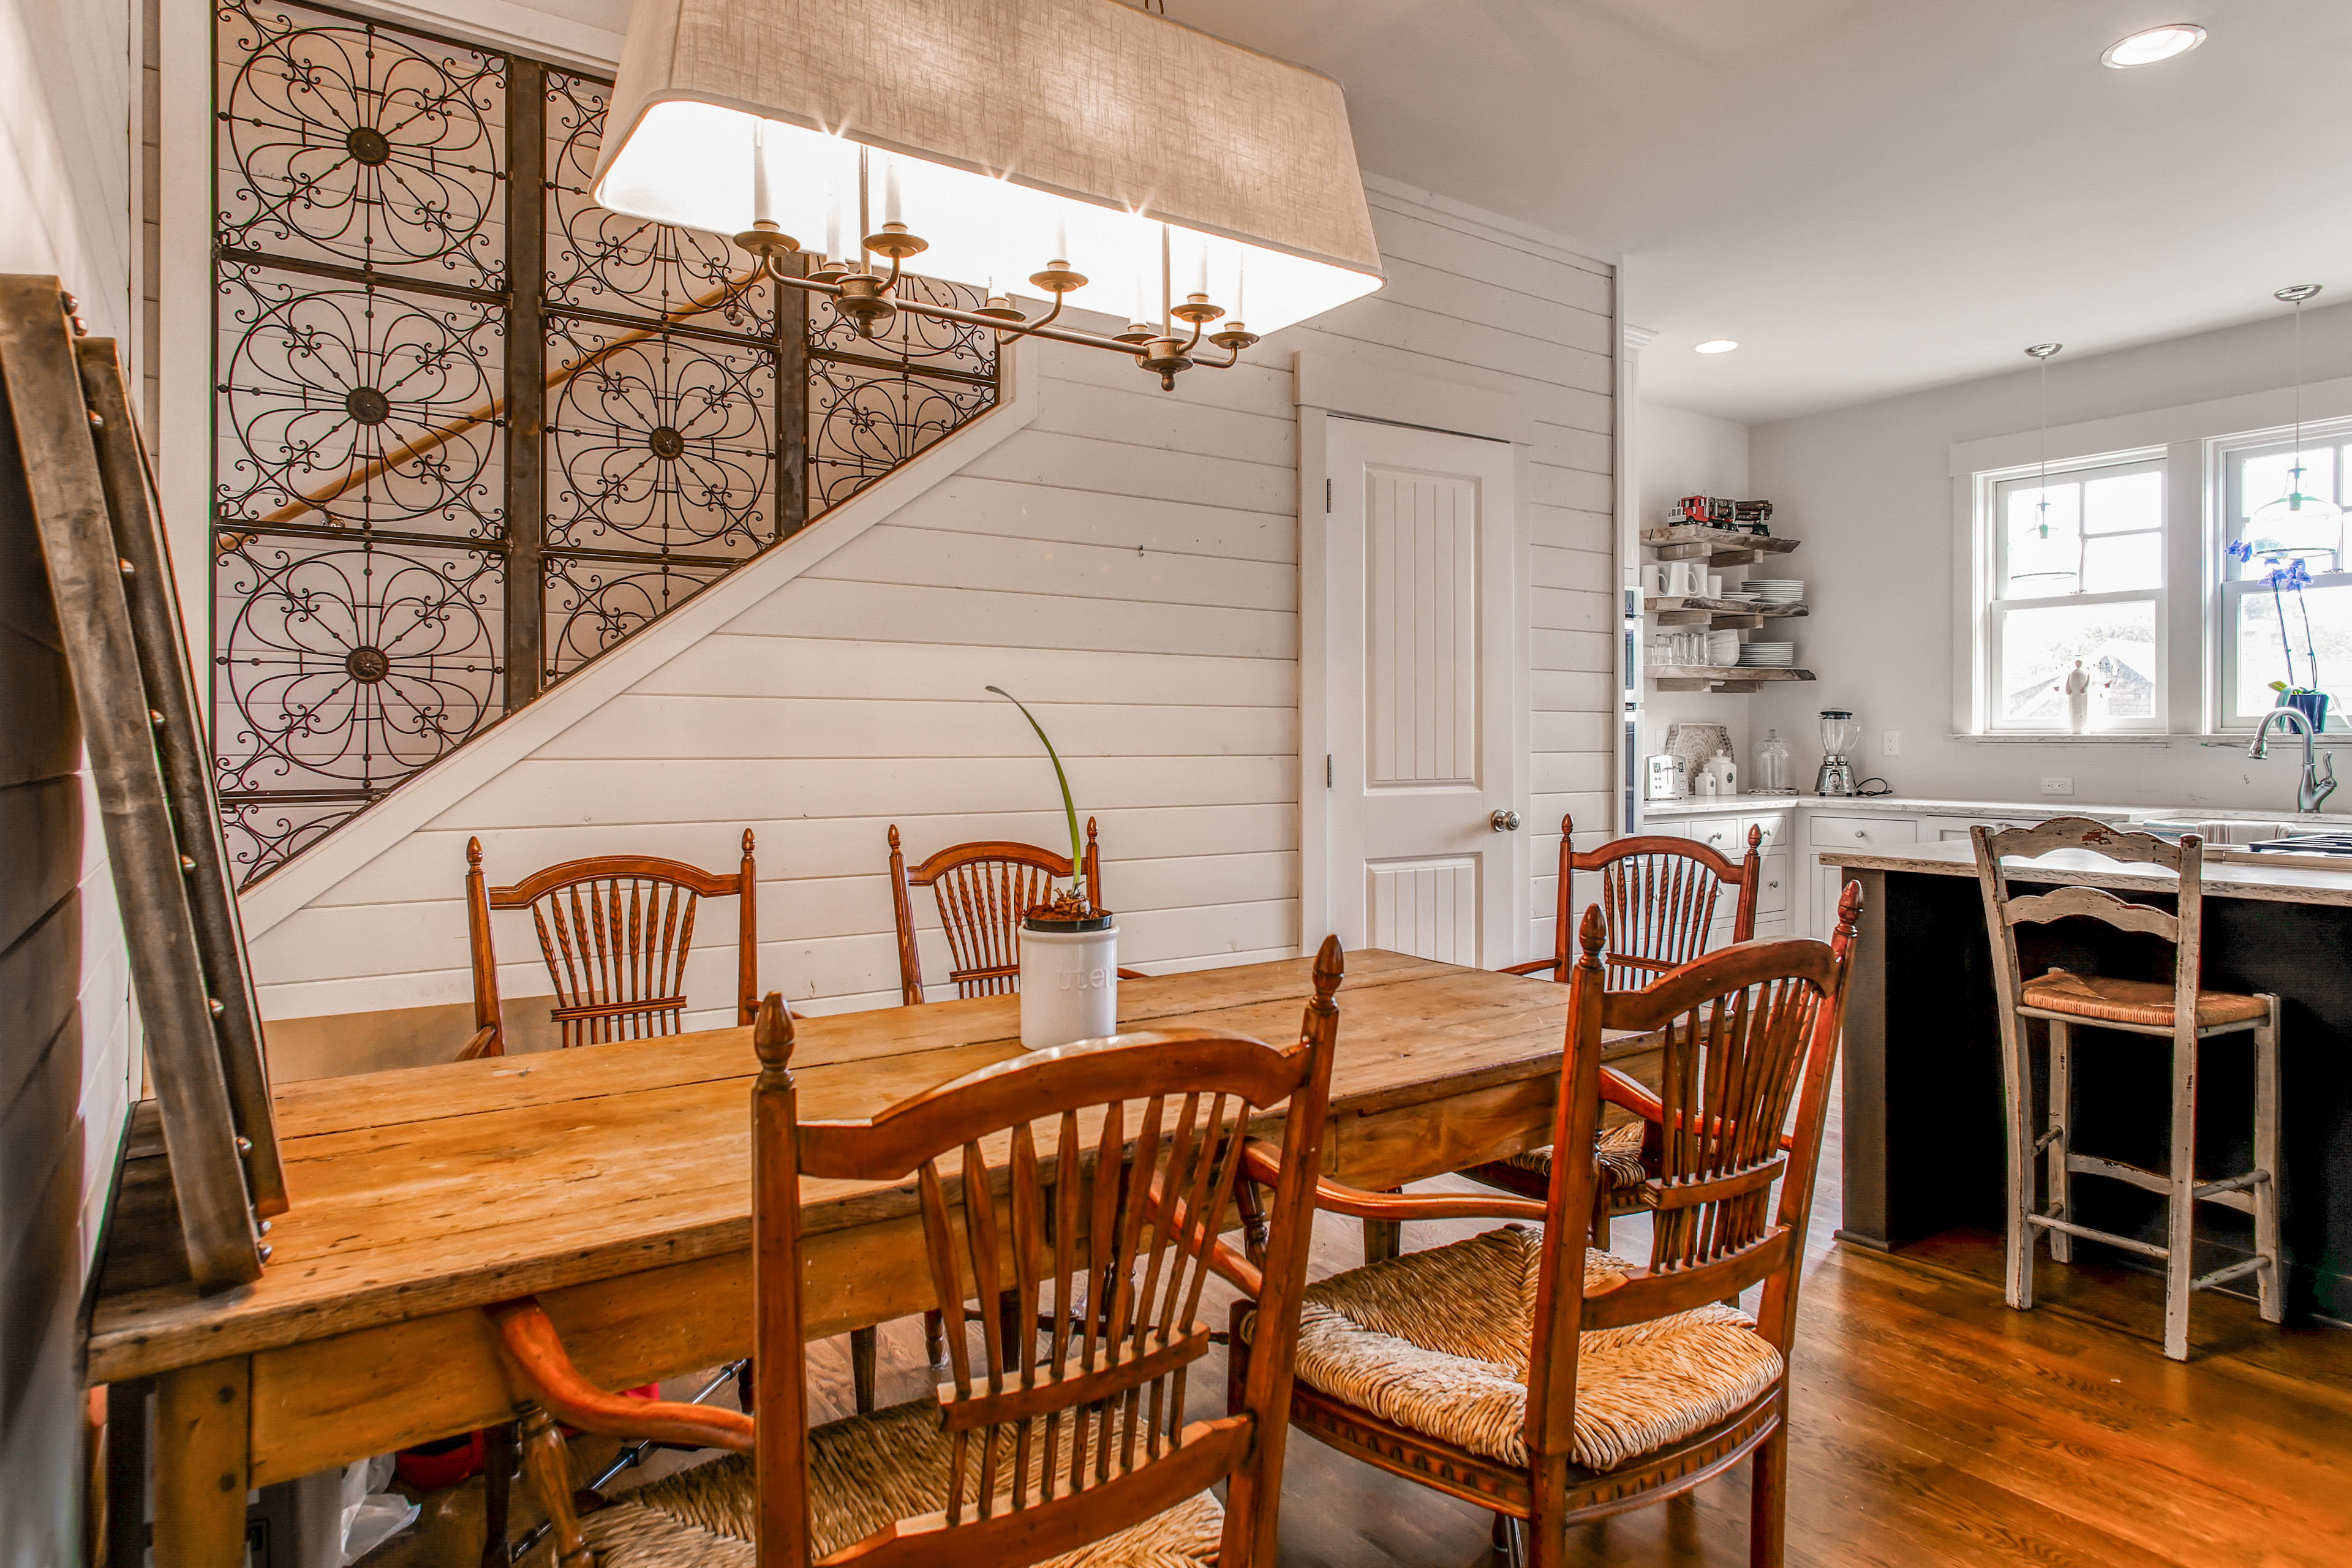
[{"x": 1684, "y": 578}]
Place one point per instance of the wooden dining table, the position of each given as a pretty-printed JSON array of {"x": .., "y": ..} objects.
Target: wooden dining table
[{"x": 612, "y": 1182}]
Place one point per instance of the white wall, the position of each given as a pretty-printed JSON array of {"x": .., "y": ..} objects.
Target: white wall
[
  {"x": 1868, "y": 489},
  {"x": 1678, "y": 453},
  {"x": 65, "y": 1033},
  {"x": 1128, "y": 564}
]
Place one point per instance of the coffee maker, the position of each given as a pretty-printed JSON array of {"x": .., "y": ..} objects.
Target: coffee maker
[{"x": 1836, "y": 777}]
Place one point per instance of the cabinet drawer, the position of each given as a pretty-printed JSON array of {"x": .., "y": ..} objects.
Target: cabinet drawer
[
  {"x": 1864, "y": 832},
  {"x": 1949, "y": 834},
  {"x": 1721, "y": 833},
  {"x": 1776, "y": 832},
  {"x": 1665, "y": 827},
  {"x": 1772, "y": 898}
]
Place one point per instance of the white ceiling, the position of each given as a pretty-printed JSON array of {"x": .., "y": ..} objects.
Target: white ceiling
[{"x": 1871, "y": 195}]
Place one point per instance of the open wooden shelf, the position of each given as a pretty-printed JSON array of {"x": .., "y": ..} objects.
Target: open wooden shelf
[
  {"x": 1722, "y": 615},
  {"x": 1719, "y": 546},
  {"x": 1721, "y": 677}
]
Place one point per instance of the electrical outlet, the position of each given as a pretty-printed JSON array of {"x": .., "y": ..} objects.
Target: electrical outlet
[
  {"x": 2058, "y": 786},
  {"x": 1890, "y": 743}
]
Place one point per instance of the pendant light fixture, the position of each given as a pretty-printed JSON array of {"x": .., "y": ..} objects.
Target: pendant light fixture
[
  {"x": 2041, "y": 352},
  {"x": 2298, "y": 524},
  {"x": 1117, "y": 161}
]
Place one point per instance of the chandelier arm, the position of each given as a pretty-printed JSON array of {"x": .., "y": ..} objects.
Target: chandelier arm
[
  {"x": 1233, "y": 359},
  {"x": 1005, "y": 334}
]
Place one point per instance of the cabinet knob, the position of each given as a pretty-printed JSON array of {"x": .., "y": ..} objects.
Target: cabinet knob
[{"x": 1859, "y": 833}]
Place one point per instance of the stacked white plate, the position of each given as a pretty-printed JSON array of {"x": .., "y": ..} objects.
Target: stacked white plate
[
  {"x": 1722, "y": 647},
  {"x": 1769, "y": 655},
  {"x": 1777, "y": 590}
]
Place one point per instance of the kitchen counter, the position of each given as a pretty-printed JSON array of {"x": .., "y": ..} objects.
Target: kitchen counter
[
  {"x": 2224, "y": 879},
  {"x": 1895, "y": 804}
]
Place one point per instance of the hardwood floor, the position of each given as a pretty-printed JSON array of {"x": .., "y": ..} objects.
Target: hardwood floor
[{"x": 1933, "y": 1426}]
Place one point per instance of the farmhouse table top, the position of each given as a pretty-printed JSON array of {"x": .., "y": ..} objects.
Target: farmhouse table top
[{"x": 426, "y": 1189}]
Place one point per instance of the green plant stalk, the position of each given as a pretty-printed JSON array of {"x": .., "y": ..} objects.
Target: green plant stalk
[{"x": 1069, "y": 807}]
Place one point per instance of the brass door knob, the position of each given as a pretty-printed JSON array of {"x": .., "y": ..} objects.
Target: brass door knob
[{"x": 1504, "y": 821}]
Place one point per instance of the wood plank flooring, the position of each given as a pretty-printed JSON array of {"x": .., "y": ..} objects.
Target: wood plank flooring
[{"x": 1933, "y": 1426}]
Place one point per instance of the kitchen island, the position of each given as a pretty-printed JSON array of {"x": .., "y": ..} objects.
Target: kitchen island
[{"x": 1923, "y": 1123}]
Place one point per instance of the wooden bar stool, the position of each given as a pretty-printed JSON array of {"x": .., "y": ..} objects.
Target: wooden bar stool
[{"x": 2182, "y": 1011}]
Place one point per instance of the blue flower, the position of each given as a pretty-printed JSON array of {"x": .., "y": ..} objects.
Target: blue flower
[
  {"x": 2298, "y": 573},
  {"x": 2240, "y": 550}
]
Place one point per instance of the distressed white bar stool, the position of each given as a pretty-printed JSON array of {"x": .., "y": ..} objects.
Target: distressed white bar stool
[{"x": 2182, "y": 1011}]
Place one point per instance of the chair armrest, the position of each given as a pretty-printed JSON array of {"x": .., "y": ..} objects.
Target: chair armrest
[
  {"x": 1133, "y": 974},
  {"x": 1532, "y": 966},
  {"x": 1261, "y": 1164},
  {"x": 1221, "y": 1259},
  {"x": 481, "y": 1045},
  {"x": 542, "y": 1369}
]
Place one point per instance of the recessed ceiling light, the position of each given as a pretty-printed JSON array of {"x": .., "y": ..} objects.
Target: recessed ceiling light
[
  {"x": 1717, "y": 346},
  {"x": 2144, "y": 48}
]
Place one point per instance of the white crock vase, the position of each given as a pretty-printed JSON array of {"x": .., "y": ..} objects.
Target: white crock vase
[{"x": 1069, "y": 986}]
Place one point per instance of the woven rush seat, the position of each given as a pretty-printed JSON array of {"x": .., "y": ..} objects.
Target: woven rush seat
[
  {"x": 866, "y": 1472},
  {"x": 1616, "y": 1155},
  {"x": 2143, "y": 1001},
  {"x": 1438, "y": 1341}
]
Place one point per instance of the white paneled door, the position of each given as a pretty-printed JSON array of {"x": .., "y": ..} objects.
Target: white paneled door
[{"x": 1427, "y": 852}]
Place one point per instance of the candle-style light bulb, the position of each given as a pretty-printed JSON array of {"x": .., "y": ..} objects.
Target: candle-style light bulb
[
  {"x": 763, "y": 194},
  {"x": 833, "y": 250},
  {"x": 1241, "y": 287},
  {"x": 1202, "y": 286},
  {"x": 1061, "y": 242},
  {"x": 890, "y": 213}
]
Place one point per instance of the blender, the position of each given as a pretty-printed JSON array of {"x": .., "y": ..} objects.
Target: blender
[{"x": 1838, "y": 732}]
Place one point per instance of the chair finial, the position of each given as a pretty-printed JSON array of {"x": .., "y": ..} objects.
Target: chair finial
[
  {"x": 894, "y": 835},
  {"x": 747, "y": 841},
  {"x": 473, "y": 854},
  {"x": 1849, "y": 908},
  {"x": 1592, "y": 934},
  {"x": 1330, "y": 967},
  {"x": 1754, "y": 836},
  {"x": 771, "y": 1032}
]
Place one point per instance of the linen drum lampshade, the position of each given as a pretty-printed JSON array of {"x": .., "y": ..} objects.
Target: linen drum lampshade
[{"x": 1157, "y": 161}]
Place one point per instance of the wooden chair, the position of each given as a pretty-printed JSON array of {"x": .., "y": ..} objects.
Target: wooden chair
[
  {"x": 2180, "y": 1010},
  {"x": 1075, "y": 1445},
  {"x": 1530, "y": 1373},
  {"x": 983, "y": 888},
  {"x": 616, "y": 931},
  {"x": 1658, "y": 898}
]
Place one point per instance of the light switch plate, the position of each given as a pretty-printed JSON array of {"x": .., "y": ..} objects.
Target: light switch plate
[
  {"x": 2058, "y": 786},
  {"x": 1890, "y": 743}
]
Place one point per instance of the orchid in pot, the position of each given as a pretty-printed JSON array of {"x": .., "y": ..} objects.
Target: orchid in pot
[
  {"x": 1069, "y": 946},
  {"x": 2291, "y": 572}
]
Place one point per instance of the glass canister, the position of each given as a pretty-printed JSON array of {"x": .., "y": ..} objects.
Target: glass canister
[{"x": 1772, "y": 765}]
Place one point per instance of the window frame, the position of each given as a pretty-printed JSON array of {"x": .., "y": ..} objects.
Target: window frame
[
  {"x": 2225, "y": 456},
  {"x": 1992, "y": 609}
]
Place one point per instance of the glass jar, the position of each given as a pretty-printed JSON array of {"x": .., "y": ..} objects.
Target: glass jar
[{"x": 1771, "y": 775}]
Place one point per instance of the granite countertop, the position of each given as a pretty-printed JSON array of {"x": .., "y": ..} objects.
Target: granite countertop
[{"x": 2228, "y": 879}]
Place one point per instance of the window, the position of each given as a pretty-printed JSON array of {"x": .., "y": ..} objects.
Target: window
[
  {"x": 2077, "y": 579},
  {"x": 2294, "y": 635}
]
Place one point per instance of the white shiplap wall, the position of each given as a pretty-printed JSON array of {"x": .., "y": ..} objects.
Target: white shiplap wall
[{"x": 1128, "y": 564}]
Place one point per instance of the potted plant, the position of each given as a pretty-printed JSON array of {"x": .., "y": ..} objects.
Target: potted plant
[
  {"x": 1070, "y": 947},
  {"x": 2287, "y": 572}
]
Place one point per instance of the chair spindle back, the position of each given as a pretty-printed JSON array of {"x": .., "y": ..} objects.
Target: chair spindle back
[
  {"x": 1043, "y": 1183},
  {"x": 983, "y": 888},
  {"x": 616, "y": 931},
  {"x": 2005, "y": 911},
  {"x": 1658, "y": 900}
]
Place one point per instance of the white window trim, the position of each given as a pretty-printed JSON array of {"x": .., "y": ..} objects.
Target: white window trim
[
  {"x": 2221, "y": 609},
  {"x": 2183, "y": 432}
]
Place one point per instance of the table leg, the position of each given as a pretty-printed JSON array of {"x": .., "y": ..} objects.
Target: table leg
[{"x": 203, "y": 1430}]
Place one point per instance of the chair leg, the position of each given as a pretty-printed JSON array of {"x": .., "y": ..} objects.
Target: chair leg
[
  {"x": 861, "y": 1368},
  {"x": 549, "y": 1467},
  {"x": 2061, "y": 1115},
  {"x": 1767, "y": 1501},
  {"x": 1383, "y": 1238},
  {"x": 2272, "y": 1278},
  {"x": 498, "y": 1478},
  {"x": 2018, "y": 1077},
  {"x": 2180, "y": 1215},
  {"x": 746, "y": 1387},
  {"x": 1511, "y": 1540},
  {"x": 935, "y": 1337}
]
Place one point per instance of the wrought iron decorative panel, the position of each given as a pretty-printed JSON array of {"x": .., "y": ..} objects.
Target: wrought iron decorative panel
[{"x": 472, "y": 429}]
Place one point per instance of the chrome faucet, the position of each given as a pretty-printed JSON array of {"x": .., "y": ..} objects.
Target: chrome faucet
[{"x": 2316, "y": 783}]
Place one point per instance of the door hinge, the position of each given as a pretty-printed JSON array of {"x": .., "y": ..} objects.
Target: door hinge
[
  {"x": 1326, "y": 769},
  {"x": 1326, "y": 497}
]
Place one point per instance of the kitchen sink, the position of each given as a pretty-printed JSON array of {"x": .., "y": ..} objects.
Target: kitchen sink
[{"x": 2225, "y": 831}]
